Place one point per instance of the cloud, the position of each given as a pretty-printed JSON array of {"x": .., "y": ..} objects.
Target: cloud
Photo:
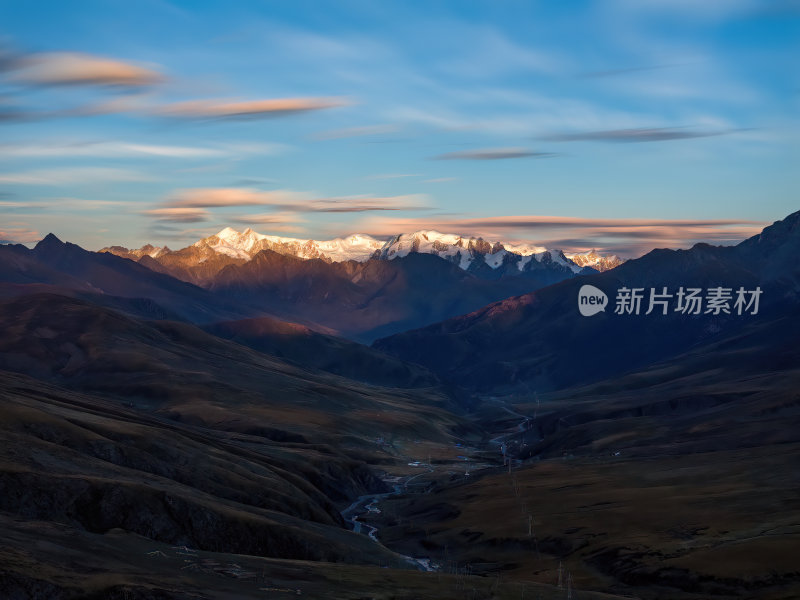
[
  {"x": 629, "y": 237},
  {"x": 368, "y": 203},
  {"x": 18, "y": 235},
  {"x": 490, "y": 52},
  {"x": 440, "y": 180},
  {"x": 221, "y": 197},
  {"x": 80, "y": 204},
  {"x": 289, "y": 200},
  {"x": 350, "y": 132},
  {"x": 392, "y": 176},
  {"x": 283, "y": 222},
  {"x": 626, "y": 71},
  {"x": 74, "y": 175},
  {"x": 708, "y": 10},
  {"x": 269, "y": 218},
  {"x": 178, "y": 215},
  {"x": 656, "y": 134},
  {"x": 17, "y": 115},
  {"x": 106, "y": 150},
  {"x": 131, "y": 150},
  {"x": 224, "y": 109},
  {"x": 493, "y": 154},
  {"x": 137, "y": 102},
  {"x": 73, "y": 68},
  {"x": 163, "y": 230}
]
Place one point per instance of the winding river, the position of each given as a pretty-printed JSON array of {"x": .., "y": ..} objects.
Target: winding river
[{"x": 368, "y": 503}]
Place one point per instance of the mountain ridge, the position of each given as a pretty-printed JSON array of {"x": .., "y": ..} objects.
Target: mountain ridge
[
  {"x": 473, "y": 254},
  {"x": 533, "y": 341}
]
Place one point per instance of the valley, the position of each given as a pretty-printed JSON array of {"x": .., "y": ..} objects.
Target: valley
[
  {"x": 399, "y": 300},
  {"x": 165, "y": 440}
]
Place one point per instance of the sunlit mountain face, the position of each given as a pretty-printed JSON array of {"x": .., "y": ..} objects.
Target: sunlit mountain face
[{"x": 348, "y": 300}]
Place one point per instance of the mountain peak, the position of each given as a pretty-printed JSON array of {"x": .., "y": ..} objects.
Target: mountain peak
[
  {"x": 50, "y": 241},
  {"x": 228, "y": 233},
  {"x": 595, "y": 260}
]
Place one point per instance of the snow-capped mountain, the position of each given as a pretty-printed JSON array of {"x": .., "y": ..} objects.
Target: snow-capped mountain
[
  {"x": 599, "y": 262},
  {"x": 359, "y": 286},
  {"x": 487, "y": 259},
  {"x": 472, "y": 254},
  {"x": 248, "y": 243},
  {"x": 136, "y": 254}
]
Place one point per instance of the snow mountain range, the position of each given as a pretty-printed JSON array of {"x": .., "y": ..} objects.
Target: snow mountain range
[{"x": 469, "y": 253}]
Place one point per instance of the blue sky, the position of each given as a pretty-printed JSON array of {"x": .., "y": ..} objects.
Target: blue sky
[{"x": 621, "y": 125}]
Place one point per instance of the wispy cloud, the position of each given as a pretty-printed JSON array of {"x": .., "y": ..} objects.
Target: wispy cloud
[
  {"x": 392, "y": 176},
  {"x": 250, "y": 109},
  {"x": 350, "y": 132},
  {"x": 119, "y": 149},
  {"x": 105, "y": 149},
  {"x": 75, "y": 175},
  {"x": 493, "y": 154},
  {"x": 18, "y": 235},
  {"x": 629, "y": 237},
  {"x": 81, "y": 204},
  {"x": 178, "y": 215},
  {"x": 289, "y": 200},
  {"x": 369, "y": 204},
  {"x": 278, "y": 222},
  {"x": 222, "y": 197},
  {"x": 166, "y": 230},
  {"x": 269, "y": 218},
  {"x": 709, "y": 10},
  {"x": 73, "y": 68},
  {"x": 626, "y": 71},
  {"x": 491, "y": 52},
  {"x": 655, "y": 134}
]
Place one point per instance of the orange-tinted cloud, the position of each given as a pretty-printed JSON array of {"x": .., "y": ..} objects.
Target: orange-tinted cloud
[
  {"x": 288, "y": 200},
  {"x": 18, "y": 235},
  {"x": 226, "y": 109},
  {"x": 73, "y": 68}
]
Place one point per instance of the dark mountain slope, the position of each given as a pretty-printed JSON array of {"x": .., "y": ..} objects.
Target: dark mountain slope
[
  {"x": 365, "y": 300},
  {"x": 69, "y": 266},
  {"x": 540, "y": 341},
  {"x": 89, "y": 464},
  {"x": 302, "y": 346},
  {"x": 179, "y": 370}
]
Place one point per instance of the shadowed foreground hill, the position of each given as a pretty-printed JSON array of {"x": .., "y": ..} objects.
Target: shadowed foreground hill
[
  {"x": 88, "y": 463},
  {"x": 157, "y": 434},
  {"x": 153, "y": 383},
  {"x": 133, "y": 439},
  {"x": 303, "y": 346},
  {"x": 187, "y": 374}
]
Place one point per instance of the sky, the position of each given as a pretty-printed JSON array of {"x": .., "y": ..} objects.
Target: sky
[{"x": 620, "y": 125}]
